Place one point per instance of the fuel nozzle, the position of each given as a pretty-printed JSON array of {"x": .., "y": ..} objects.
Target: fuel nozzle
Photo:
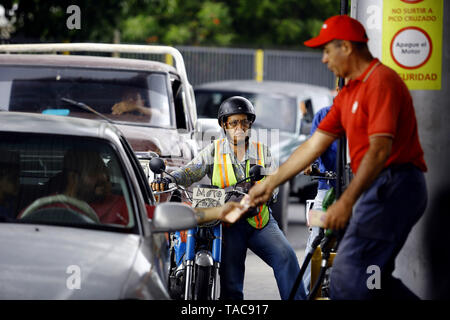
[{"x": 327, "y": 243}]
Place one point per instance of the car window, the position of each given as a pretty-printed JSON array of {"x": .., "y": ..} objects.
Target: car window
[
  {"x": 127, "y": 97},
  {"x": 139, "y": 171},
  {"x": 208, "y": 103},
  {"x": 178, "y": 92},
  {"x": 285, "y": 109},
  {"x": 64, "y": 180},
  {"x": 320, "y": 101}
]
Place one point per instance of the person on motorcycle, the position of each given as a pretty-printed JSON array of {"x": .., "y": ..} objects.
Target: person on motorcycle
[{"x": 226, "y": 161}]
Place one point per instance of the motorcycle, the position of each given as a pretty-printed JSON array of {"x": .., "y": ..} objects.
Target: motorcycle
[{"x": 195, "y": 254}]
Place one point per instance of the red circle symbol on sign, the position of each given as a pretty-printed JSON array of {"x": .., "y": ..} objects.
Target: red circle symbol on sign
[
  {"x": 411, "y": 1},
  {"x": 411, "y": 47}
]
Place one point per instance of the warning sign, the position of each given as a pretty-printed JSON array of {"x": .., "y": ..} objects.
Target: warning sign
[
  {"x": 412, "y": 30},
  {"x": 411, "y": 48}
]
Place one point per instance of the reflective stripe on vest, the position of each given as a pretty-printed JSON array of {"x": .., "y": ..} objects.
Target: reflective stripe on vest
[{"x": 223, "y": 176}]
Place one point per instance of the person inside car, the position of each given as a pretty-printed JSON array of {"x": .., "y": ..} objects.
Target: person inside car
[
  {"x": 85, "y": 177},
  {"x": 9, "y": 183},
  {"x": 131, "y": 101},
  {"x": 227, "y": 161}
]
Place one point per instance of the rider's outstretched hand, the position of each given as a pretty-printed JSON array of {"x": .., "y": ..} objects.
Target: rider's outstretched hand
[{"x": 160, "y": 184}]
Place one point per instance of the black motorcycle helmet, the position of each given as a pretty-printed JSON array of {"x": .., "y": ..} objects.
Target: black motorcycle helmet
[{"x": 236, "y": 105}]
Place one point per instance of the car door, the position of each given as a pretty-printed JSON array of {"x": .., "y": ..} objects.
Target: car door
[{"x": 155, "y": 246}]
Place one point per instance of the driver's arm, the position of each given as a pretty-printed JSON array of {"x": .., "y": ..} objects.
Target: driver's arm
[
  {"x": 230, "y": 212},
  {"x": 129, "y": 106}
]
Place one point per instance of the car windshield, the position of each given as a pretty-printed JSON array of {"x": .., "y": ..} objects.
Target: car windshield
[
  {"x": 128, "y": 97},
  {"x": 63, "y": 180},
  {"x": 266, "y": 106}
]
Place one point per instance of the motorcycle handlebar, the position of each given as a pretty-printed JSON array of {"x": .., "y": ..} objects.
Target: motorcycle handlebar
[
  {"x": 324, "y": 175},
  {"x": 316, "y": 174},
  {"x": 165, "y": 191},
  {"x": 173, "y": 187}
]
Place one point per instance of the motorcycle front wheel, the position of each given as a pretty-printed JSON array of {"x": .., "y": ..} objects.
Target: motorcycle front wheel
[{"x": 203, "y": 285}]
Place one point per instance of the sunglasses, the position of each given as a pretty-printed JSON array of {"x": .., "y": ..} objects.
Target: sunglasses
[{"x": 245, "y": 123}]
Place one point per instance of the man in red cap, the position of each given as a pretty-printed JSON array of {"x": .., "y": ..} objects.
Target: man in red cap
[{"x": 387, "y": 195}]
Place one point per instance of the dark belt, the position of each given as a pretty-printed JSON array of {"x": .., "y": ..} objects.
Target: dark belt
[{"x": 401, "y": 167}]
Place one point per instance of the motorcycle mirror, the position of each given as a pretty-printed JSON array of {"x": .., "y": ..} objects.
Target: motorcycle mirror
[
  {"x": 256, "y": 173},
  {"x": 157, "y": 165}
]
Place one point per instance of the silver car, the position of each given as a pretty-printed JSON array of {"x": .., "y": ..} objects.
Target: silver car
[
  {"x": 56, "y": 245},
  {"x": 33, "y": 78}
]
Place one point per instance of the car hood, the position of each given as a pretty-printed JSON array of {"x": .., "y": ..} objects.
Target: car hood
[
  {"x": 50, "y": 262},
  {"x": 208, "y": 124},
  {"x": 168, "y": 143},
  {"x": 162, "y": 141}
]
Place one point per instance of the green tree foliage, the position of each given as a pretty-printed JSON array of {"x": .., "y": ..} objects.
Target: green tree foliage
[
  {"x": 178, "y": 22},
  {"x": 250, "y": 23},
  {"x": 39, "y": 20},
  {"x": 280, "y": 22}
]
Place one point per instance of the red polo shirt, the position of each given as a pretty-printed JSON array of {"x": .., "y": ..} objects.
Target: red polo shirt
[{"x": 377, "y": 103}]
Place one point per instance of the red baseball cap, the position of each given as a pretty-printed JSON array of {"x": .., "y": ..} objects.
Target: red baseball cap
[{"x": 339, "y": 27}]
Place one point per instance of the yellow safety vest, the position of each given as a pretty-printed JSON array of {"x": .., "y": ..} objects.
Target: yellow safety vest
[{"x": 223, "y": 176}]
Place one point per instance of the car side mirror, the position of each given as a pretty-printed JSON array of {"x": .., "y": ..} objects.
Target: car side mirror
[
  {"x": 157, "y": 165},
  {"x": 172, "y": 216}
]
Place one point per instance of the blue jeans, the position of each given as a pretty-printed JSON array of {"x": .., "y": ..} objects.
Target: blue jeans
[
  {"x": 268, "y": 243},
  {"x": 381, "y": 221}
]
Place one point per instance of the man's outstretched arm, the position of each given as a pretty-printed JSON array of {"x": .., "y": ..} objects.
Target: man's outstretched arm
[
  {"x": 230, "y": 212},
  {"x": 303, "y": 156}
]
